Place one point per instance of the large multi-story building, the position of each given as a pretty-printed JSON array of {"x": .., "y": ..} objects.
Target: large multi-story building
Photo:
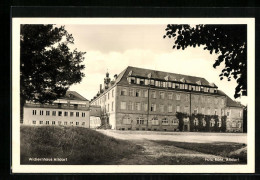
[
  {"x": 143, "y": 99},
  {"x": 71, "y": 110}
]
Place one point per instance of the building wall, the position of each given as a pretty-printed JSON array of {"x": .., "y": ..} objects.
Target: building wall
[
  {"x": 31, "y": 119},
  {"x": 95, "y": 122},
  {"x": 234, "y": 119}
]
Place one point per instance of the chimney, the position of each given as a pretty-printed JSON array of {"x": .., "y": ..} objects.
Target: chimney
[{"x": 100, "y": 89}]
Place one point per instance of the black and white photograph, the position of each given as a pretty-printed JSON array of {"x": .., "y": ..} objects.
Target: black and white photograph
[{"x": 164, "y": 95}]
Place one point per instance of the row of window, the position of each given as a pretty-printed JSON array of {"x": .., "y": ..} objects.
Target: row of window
[
  {"x": 170, "y": 96},
  {"x": 58, "y": 113},
  {"x": 173, "y": 85},
  {"x": 107, "y": 107},
  {"x": 142, "y": 106},
  {"x": 56, "y": 123}
]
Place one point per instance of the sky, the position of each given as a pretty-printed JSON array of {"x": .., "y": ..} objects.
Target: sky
[{"x": 114, "y": 47}]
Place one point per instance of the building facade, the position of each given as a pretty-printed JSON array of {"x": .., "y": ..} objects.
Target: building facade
[
  {"x": 71, "y": 110},
  {"x": 143, "y": 99}
]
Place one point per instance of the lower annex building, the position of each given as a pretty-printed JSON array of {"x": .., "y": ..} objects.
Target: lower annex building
[
  {"x": 70, "y": 110},
  {"x": 144, "y": 99}
]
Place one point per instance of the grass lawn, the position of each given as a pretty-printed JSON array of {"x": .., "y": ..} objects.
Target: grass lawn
[
  {"x": 224, "y": 149},
  {"x": 79, "y": 146}
]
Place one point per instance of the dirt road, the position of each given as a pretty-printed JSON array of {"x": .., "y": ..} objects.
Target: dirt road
[{"x": 157, "y": 154}]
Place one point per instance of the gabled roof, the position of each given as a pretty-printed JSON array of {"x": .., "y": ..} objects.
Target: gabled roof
[
  {"x": 230, "y": 102},
  {"x": 73, "y": 95},
  {"x": 160, "y": 75}
]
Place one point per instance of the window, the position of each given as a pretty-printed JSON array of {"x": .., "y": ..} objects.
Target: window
[
  {"x": 146, "y": 82},
  {"x": 222, "y": 112},
  {"x": 196, "y": 122},
  {"x": 127, "y": 120},
  {"x": 145, "y": 106},
  {"x": 234, "y": 124},
  {"x": 53, "y": 113},
  {"x": 145, "y": 93},
  {"x": 186, "y": 86},
  {"x": 212, "y": 122},
  {"x": 142, "y": 81},
  {"x": 196, "y": 111},
  {"x": 181, "y": 86},
  {"x": 77, "y": 123},
  {"x": 71, "y": 114},
  {"x": 112, "y": 106},
  {"x": 71, "y": 123},
  {"x": 60, "y": 113},
  {"x": 108, "y": 108},
  {"x": 169, "y": 108},
  {"x": 83, "y": 124},
  {"x": 123, "y": 92},
  {"x": 34, "y": 122},
  {"x": 140, "y": 120},
  {"x": 77, "y": 114},
  {"x": 161, "y": 108},
  {"x": 65, "y": 113},
  {"x": 155, "y": 121},
  {"x": 41, "y": 112},
  {"x": 138, "y": 106},
  {"x": 239, "y": 125},
  {"x": 240, "y": 113},
  {"x": 177, "y": 108},
  {"x": 123, "y": 105},
  {"x": 41, "y": 122},
  {"x": 170, "y": 96},
  {"x": 157, "y": 83},
  {"x": 153, "y": 107},
  {"x": 164, "y": 84},
  {"x": 178, "y": 97},
  {"x": 137, "y": 80},
  {"x": 137, "y": 93},
  {"x": 161, "y": 95},
  {"x": 219, "y": 123},
  {"x": 228, "y": 113},
  {"x": 47, "y": 122},
  {"x": 165, "y": 121},
  {"x": 108, "y": 94},
  {"x": 169, "y": 85},
  {"x": 215, "y": 111},
  {"x": 131, "y": 92},
  {"x": 83, "y": 114},
  {"x": 53, "y": 123},
  {"x": 175, "y": 122},
  {"x": 65, "y": 123},
  {"x": 113, "y": 93},
  {"x": 177, "y": 86},
  {"x": 152, "y": 82},
  {"x": 173, "y": 85},
  {"x": 34, "y": 112},
  {"x": 153, "y": 94},
  {"x": 197, "y": 88}
]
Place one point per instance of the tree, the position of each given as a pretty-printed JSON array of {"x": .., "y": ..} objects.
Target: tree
[
  {"x": 228, "y": 41},
  {"x": 47, "y": 66}
]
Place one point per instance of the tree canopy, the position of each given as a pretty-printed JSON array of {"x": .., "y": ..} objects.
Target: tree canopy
[
  {"x": 228, "y": 41},
  {"x": 47, "y": 65}
]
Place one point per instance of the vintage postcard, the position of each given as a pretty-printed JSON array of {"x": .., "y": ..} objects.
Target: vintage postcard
[{"x": 133, "y": 95}]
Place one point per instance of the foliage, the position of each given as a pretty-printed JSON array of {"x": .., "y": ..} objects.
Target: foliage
[
  {"x": 207, "y": 119},
  {"x": 223, "y": 124},
  {"x": 228, "y": 41},
  {"x": 48, "y": 67},
  {"x": 245, "y": 119},
  {"x": 192, "y": 126},
  {"x": 79, "y": 145},
  {"x": 180, "y": 116},
  {"x": 200, "y": 119}
]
